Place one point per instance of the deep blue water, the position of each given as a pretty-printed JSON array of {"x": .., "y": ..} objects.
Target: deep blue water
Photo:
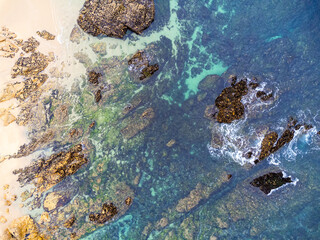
[{"x": 277, "y": 41}]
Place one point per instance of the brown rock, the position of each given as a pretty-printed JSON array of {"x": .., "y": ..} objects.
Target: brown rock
[
  {"x": 113, "y": 18},
  {"x": 30, "y": 45},
  {"x": 128, "y": 201},
  {"x": 94, "y": 77},
  {"x": 69, "y": 223},
  {"x": 46, "y": 35},
  {"x": 98, "y": 96},
  {"x": 54, "y": 200},
  {"x": 107, "y": 213},
  {"x": 171, "y": 143},
  {"x": 139, "y": 66}
]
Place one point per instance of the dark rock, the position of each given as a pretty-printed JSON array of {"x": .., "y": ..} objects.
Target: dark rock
[
  {"x": 286, "y": 137},
  {"x": 229, "y": 176},
  {"x": 46, "y": 35},
  {"x": 139, "y": 66},
  {"x": 107, "y": 213},
  {"x": 128, "y": 201},
  {"x": 98, "y": 96},
  {"x": 229, "y": 102},
  {"x": 113, "y": 18},
  {"x": 248, "y": 154},
  {"x": 92, "y": 125},
  {"x": 94, "y": 77},
  {"x": 253, "y": 85},
  {"x": 267, "y": 144},
  {"x": 270, "y": 181},
  {"x": 30, "y": 45}
]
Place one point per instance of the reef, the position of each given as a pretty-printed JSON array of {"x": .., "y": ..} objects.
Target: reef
[
  {"x": 270, "y": 181},
  {"x": 107, "y": 213},
  {"x": 137, "y": 123},
  {"x": 46, "y": 35},
  {"x": 45, "y": 173},
  {"x": 113, "y": 18},
  {"x": 229, "y": 102},
  {"x": 140, "y": 67}
]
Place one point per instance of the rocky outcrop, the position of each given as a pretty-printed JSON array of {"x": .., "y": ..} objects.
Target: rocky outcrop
[
  {"x": 229, "y": 102},
  {"x": 94, "y": 77},
  {"x": 270, "y": 181},
  {"x": 138, "y": 123},
  {"x": 114, "y": 18},
  {"x": 28, "y": 66},
  {"x": 140, "y": 67},
  {"x": 99, "y": 48},
  {"x": 30, "y": 45},
  {"x": 107, "y": 213},
  {"x": 23, "y": 228},
  {"x": 46, "y": 35},
  {"x": 47, "y": 173},
  {"x": 55, "y": 200},
  {"x": 9, "y": 44}
]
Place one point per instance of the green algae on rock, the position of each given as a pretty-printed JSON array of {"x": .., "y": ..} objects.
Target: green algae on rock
[
  {"x": 270, "y": 181},
  {"x": 113, "y": 18}
]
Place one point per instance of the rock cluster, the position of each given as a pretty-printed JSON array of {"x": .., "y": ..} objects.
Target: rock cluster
[
  {"x": 113, "y": 18},
  {"x": 9, "y": 44},
  {"x": 107, "y": 213},
  {"x": 270, "y": 181},
  {"x": 47, "y": 173},
  {"x": 140, "y": 67},
  {"x": 46, "y": 35},
  {"x": 30, "y": 45}
]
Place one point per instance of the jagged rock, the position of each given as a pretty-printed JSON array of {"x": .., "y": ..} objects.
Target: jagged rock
[
  {"x": 138, "y": 123},
  {"x": 97, "y": 96},
  {"x": 55, "y": 200},
  {"x": 30, "y": 45},
  {"x": 9, "y": 45},
  {"x": 270, "y": 181},
  {"x": 69, "y": 223},
  {"x": 76, "y": 35},
  {"x": 46, "y": 35},
  {"x": 139, "y": 66},
  {"x": 267, "y": 144},
  {"x": 94, "y": 77},
  {"x": 99, "y": 48},
  {"x": 47, "y": 173},
  {"x": 229, "y": 102},
  {"x": 28, "y": 66},
  {"x": 23, "y": 228},
  {"x": 107, "y": 213},
  {"x": 113, "y": 18}
]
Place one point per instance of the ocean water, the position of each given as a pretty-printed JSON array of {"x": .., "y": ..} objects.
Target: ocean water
[{"x": 275, "y": 41}]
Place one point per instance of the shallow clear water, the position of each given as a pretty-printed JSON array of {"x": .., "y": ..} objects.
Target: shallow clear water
[{"x": 275, "y": 41}]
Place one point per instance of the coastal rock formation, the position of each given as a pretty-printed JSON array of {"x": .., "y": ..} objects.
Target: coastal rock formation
[
  {"x": 138, "y": 123},
  {"x": 32, "y": 65},
  {"x": 46, "y": 35},
  {"x": 139, "y": 66},
  {"x": 23, "y": 228},
  {"x": 270, "y": 181},
  {"x": 47, "y": 173},
  {"x": 55, "y": 200},
  {"x": 9, "y": 44},
  {"x": 114, "y": 18},
  {"x": 107, "y": 213},
  {"x": 229, "y": 102},
  {"x": 94, "y": 77},
  {"x": 30, "y": 45}
]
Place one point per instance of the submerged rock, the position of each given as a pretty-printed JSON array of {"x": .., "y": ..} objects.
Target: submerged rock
[
  {"x": 139, "y": 66},
  {"x": 98, "y": 96},
  {"x": 229, "y": 102},
  {"x": 30, "y": 45},
  {"x": 69, "y": 223},
  {"x": 55, "y": 200},
  {"x": 99, "y": 48},
  {"x": 47, "y": 173},
  {"x": 113, "y": 18},
  {"x": 46, "y": 35},
  {"x": 107, "y": 213},
  {"x": 270, "y": 181},
  {"x": 28, "y": 66},
  {"x": 76, "y": 35}
]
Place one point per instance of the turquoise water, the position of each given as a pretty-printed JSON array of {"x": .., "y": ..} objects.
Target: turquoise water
[{"x": 276, "y": 41}]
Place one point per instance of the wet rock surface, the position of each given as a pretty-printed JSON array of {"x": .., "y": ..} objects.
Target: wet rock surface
[
  {"x": 46, "y": 35},
  {"x": 229, "y": 102},
  {"x": 139, "y": 66},
  {"x": 45, "y": 173},
  {"x": 113, "y": 18},
  {"x": 270, "y": 181},
  {"x": 107, "y": 213}
]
